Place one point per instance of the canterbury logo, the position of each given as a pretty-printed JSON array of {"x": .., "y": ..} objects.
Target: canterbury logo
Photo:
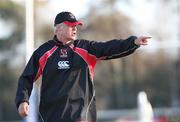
[{"x": 63, "y": 65}]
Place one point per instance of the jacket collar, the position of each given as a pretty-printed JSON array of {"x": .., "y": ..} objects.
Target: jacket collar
[{"x": 59, "y": 43}]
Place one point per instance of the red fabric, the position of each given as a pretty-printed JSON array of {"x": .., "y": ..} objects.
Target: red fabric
[
  {"x": 73, "y": 23},
  {"x": 88, "y": 58},
  {"x": 161, "y": 119},
  {"x": 43, "y": 60}
]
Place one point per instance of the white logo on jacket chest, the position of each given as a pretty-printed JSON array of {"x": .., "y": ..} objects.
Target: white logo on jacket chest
[
  {"x": 63, "y": 65},
  {"x": 63, "y": 53}
]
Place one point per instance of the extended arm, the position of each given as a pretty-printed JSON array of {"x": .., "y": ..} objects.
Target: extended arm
[{"x": 116, "y": 48}]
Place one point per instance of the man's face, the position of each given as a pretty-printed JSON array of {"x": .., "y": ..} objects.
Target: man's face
[{"x": 67, "y": 32}]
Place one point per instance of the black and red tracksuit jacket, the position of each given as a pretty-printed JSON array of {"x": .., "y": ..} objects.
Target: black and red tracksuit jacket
[{"x": 67, "y": 90}]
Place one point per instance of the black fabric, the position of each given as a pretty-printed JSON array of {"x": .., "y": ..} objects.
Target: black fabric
[
  {"x": 64, "y": 16},
  {"x": 67, "y": 89}
]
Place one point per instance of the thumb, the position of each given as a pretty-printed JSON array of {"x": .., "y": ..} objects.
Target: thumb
[
  {"x": 23, "y": 109},
  {"x": 26, "y": 110}
]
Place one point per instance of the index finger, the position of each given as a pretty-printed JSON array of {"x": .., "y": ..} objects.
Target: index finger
[{"x": 147, "y": 37}]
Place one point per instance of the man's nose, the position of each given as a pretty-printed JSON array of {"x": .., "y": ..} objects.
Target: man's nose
[{"x": 75, "y": 28}]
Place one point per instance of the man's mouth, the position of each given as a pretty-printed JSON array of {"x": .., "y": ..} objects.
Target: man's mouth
[{"x": 74, "y": 34}]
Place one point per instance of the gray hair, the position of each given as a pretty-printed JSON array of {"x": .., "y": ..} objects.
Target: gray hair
[{"x": 57, "y": 27}]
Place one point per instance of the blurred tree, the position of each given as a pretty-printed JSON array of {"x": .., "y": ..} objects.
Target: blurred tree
[
  {"x": 106, "y": 24},
  {"x": 8, "y": 87},
  {"x": 156, "y": 81},
  {"x": 43, "y": 31},
  {"x": 166, "y": 31},
  {"x": 117, "y": 81},
  {"x": 124, "y": 78},
  {"x": 12, "y": 15}
]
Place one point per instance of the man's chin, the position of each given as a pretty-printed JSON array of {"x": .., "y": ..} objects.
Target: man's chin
[{"x": 73, "y": 38}]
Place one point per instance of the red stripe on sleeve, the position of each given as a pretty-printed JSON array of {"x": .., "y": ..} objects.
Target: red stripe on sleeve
[
  {"x": 43, "y": 60},
  {"x": 88, "y": 58}
]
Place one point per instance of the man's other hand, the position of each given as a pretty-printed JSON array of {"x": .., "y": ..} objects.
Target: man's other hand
[{"x": 23, "y": 109}]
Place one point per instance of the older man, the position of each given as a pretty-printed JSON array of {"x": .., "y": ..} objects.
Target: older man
[{"x": 67, "y": 68}]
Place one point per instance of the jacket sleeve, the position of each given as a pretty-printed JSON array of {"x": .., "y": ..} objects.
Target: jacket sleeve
[
  {"x": 113, "y": 49},
  {"x": 25, "y": 83}
]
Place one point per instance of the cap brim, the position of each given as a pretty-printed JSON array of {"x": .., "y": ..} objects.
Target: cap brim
[{"x": 73, "y": 23}]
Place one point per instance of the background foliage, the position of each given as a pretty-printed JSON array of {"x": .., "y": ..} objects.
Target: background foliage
[{"x": 117, "y": 81}]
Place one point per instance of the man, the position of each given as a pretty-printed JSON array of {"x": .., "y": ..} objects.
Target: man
[{"x": 67, "y": 68}]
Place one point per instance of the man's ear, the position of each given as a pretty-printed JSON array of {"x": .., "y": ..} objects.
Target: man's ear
[{"x": 55, "y": 30}]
